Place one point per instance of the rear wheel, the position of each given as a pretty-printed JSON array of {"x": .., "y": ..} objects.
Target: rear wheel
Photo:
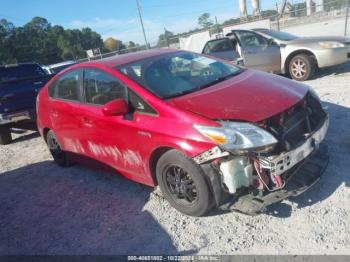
[
  {"x": 302, "y": 67},
  {"x": 183, "y": 184},
  {"x": 5, "y": 135},
  {"x": 59, "y": 156}
]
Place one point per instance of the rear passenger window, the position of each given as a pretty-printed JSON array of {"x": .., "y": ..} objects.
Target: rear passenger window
[
  {"x": 101, "y": 88},
  {"x": 66, "y": 87}
]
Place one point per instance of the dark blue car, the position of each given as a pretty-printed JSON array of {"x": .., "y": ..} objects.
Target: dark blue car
[{"x": 19, "y": 86}]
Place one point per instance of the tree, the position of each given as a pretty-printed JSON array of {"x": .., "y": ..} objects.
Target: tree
[
  {"x": 112, "y": 44},
  {"x": 164, "y": 39},
  {"x": 38, "y": 41},
  {"x": 131, "y": 44},
  {"x": 204, "y": 21}
]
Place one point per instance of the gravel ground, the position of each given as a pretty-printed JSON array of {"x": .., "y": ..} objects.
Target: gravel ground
[{"x": 45, "y": 209}]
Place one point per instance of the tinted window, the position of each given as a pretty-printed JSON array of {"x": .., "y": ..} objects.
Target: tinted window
[
  {"x": 66, "y": 87},
  {"x": 101, "y": 88},
  {"x": 220, "y": 45},
  {"x": 20, "y": 71},
  {"x": 248, "y": 38},
  {"x": 178, "y": 73}
]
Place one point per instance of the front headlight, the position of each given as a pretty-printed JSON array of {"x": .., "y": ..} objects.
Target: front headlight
[
  {"x": 239, "y": 137},
  {"x": 331, "y": 44}
]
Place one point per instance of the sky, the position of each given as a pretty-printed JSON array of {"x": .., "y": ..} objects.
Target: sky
[{"x": 119, "y": 18}]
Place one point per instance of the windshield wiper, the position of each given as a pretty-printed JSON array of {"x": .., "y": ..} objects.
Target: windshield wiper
[{"x": 184, "y": 92}]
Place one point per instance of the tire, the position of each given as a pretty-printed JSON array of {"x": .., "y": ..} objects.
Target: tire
[
  {"x": 5, "y": 135},
  {"x": 174, "y": 163},
  {"x": 59, "y": 156},
  {"x": 302, "y": 67}
]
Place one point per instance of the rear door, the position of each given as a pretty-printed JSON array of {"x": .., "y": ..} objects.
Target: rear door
[
  {"x": 221, "y": 48},
  {"x": 65, "y": 105},
  {"x": 257, "y": 52}
]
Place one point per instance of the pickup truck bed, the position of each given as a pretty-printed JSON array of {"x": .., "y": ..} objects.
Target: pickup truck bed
[{"x": 19, "y": 85}]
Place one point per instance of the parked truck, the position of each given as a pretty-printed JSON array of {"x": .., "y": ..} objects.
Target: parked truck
[{"x": 19, "y": 86}]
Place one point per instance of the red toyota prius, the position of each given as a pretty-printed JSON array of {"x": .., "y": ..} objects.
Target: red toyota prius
[{"x": 209, "y": 133}]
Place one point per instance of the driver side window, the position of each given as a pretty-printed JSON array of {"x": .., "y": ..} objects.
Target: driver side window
[
  {"x": 101, "y": 88},
  {"x": 219, "y": 45},
  {"x": 251, "y": 39}
]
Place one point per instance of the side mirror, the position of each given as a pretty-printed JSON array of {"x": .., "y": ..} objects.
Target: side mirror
[{"x": 116, "y": 107}]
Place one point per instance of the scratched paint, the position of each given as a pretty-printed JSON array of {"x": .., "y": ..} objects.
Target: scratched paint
[
  {"x": 73, "y": 145},
  {"x": 104, "y": 151},
  {"x": 132, "y": 158},
  {"x": 128, "y": 157}
]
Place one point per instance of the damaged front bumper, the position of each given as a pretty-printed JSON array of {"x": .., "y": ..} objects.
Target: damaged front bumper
[
  {"x": 298, "y": 180},
  {"x": 232, "y": 178}
]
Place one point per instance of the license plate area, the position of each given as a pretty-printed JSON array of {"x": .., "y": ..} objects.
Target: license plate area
[{"x": 285, "y": 161}]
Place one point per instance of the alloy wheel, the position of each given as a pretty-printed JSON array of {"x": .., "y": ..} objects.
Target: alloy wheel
[
  {"x": 299, "y": 68},
  {"x": 180, "y": 185}
]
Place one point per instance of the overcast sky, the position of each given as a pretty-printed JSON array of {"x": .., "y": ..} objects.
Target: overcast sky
[{"x": 119, "y": 19}]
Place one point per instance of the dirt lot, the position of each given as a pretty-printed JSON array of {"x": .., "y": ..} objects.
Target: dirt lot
[{"x": 45, "y": 209}]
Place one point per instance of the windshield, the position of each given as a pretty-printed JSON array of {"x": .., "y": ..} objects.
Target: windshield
[
  {"x": 179, "y": 73},
  {"x": 280, "y": 35}
]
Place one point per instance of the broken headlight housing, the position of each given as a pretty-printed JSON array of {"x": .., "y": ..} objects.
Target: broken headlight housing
[{"x": 238, "y": 137}]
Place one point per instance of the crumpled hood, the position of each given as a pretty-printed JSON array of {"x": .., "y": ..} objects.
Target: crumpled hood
[
  {"x": 250, "y": 96},
  {"x": 300, "y": 40}
]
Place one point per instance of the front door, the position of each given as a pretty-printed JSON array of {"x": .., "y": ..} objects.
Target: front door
[
  {"x": 258, "y": 52},
  {"x": 221, "y": 48},
  {"x": 113, "y": 140}
]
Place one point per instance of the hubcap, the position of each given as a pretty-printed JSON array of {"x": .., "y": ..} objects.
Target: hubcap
[
  {"x": 299, "y": 68},
  {"x": 180, "y": 185}
]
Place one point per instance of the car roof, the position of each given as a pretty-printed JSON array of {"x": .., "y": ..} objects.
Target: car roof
[
  {"x": 124, "y": 59},
  {"x": 60, "y": 64},
  {"x": 261, "y": 29}
]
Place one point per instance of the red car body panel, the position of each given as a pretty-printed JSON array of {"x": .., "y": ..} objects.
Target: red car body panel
[
  {"x": 251, "y": 96},
  {"x": 129, "y": 145}
]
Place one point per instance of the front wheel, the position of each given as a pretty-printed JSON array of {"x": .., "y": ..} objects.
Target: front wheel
[
  {"x": 183, "y": 184},
  {"x": 302, "y": 67},
  {"x": 59, "y": 156}
]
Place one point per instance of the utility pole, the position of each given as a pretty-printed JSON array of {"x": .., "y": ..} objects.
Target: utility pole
[
  {"x": 278, "y": 18},
  {"x": 141, "y": 22},
  {"x": 346, "y": 17}
]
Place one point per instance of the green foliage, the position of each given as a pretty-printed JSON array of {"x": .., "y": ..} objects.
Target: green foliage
[
  {"x": 165, "y": 38},
  {"x": 112, "y": 44},
  {"x": 204, "y": 21},
  {"x": 39, "y": 41}
]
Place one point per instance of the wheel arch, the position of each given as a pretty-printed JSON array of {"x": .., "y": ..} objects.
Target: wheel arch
[
  {"x": 45, "y": 131},
  {"x": 295, "y": 53},
  {"x": 153, "y": 160}
]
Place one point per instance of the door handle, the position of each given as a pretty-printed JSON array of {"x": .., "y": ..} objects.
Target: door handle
[
  {"x": 38, "y": 83},
  {"x": 54, "y": 113},
  {"x": 86, "y": 122}
]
